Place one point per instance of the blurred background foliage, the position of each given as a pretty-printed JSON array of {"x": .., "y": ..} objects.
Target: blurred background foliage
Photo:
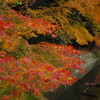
[{"x": 79, "y": 20}]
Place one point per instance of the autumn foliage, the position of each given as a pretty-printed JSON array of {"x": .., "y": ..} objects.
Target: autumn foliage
[
  {"x": 24, "y": 68},
  {"x": 42, "y": 67},
  {"x": 76, "y": 18},
  {"x": 26, "y": 75},
  {"x": 14, "y": 26}
]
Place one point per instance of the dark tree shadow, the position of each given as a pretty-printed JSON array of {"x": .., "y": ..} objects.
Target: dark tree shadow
[{"x": 42, "y": 38}]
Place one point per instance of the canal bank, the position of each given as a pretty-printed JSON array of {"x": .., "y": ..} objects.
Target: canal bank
[{"x": 79, "y": 90}]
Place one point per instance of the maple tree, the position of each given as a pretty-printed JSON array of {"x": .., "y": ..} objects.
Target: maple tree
[
  {"x": 71, "y": 13},
  {"x": 14, "y": 26},
  {"x": 25, "y": 74}
]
